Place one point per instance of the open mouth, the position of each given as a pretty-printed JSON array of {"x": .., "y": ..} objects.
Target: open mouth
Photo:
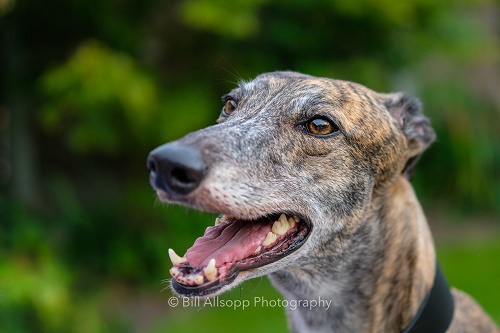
[{"x": 232, "y": 246}]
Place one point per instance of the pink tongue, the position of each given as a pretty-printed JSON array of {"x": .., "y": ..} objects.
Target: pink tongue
[{"x": 227, "y": 242}]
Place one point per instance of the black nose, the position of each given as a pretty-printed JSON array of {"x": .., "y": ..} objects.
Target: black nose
[{"x": 175, "y": 168}]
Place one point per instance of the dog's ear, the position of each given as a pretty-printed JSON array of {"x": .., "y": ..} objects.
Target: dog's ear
[{"x": 407, "y": 111}]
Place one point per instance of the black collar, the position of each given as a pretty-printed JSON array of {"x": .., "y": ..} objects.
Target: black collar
[{"x": 436, "y": 311}]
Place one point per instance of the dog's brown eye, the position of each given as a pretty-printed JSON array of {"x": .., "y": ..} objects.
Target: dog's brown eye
[
  {"x": 229, "y": 107},
  {"x": 321, "y": 127}
]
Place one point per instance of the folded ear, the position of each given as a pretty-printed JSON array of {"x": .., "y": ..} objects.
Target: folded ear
[{"x": 407, "y": 111}]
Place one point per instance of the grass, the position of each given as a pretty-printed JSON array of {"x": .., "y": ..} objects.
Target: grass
[
  {"x": 240, "y": 310},
  {"x": 475, "y": 269}
]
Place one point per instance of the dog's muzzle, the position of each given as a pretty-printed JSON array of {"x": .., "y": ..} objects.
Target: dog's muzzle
[
  {"x": 176, "y": 169},
  {"x": 234, "y": 244}
]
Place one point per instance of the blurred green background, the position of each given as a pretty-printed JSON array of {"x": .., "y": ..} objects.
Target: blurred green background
[{"x": 88, "y": 88}]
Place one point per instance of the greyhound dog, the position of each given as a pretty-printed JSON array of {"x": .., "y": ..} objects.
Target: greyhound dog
[{"x": 310, "y": 177}]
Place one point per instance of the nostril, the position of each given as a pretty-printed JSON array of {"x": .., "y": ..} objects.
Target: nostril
[
  {"x": 183, "y": 176},
  {"x": 151, "y": 164}
]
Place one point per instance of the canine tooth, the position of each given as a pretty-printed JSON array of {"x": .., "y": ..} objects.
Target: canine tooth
[
  {"x": 174, "y": 257},
  {"x": 174, "y": 271},
  {"x": 270, "y": 238},
  {"x": 218, "y": 221},
  {"x": 198, "y": 280},
  {"x": 257, "y": 250},
  {"x": 210, "y": 271},
  {"x": 226, "y": 217}
]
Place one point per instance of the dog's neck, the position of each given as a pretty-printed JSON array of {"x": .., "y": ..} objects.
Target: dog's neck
[{"x": 376, "y": 276}]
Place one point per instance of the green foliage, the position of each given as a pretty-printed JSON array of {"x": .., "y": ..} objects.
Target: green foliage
[
  {"x": 42, "y": 283},
  {"x": 98, "y": 97},
  {"x": 222, "y": 18},
  {"x": 36, "y": 284},
  {"x": 101, "y": 100}
]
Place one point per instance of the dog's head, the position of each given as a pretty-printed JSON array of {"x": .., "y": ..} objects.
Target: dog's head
[{"x": 292, "y": 160}]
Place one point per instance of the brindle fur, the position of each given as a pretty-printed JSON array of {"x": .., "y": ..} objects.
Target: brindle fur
[{"x": 370, "y": 249}]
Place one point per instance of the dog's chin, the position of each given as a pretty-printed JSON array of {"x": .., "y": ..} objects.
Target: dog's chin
[
  {"x": 217, "y": 288},
  {"x": 237, "y": 249}
]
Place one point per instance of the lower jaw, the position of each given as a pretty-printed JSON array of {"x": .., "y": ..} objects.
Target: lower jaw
[{"x": 210, "y": 289}]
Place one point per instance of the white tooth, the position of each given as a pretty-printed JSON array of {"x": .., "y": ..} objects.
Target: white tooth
[
  {"x": 296, "y": 218},
  {"x": 277, "y": 227},
  {"x": 218, "y": 221},
  {"x": 291, "y": 222},
  {"x": 174, "y": 271},
  {"x": 257, "y": 250},
  {"x": 175, "y": 259},
  {"x": 210, "y": 271},
  {"x": 281, "y": 226},
  {"x": 270, "y": 238},
  {"x": 198, "y": 279},
  {"x": 226, "y": 217}
]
